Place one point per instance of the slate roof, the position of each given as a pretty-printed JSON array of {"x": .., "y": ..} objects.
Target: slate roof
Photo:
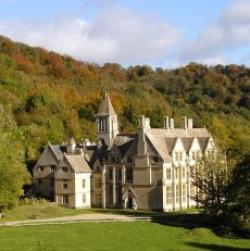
[
  {"x": 106, "y": 107},
  {"x": 78, "y": 163},
  {"x": 58, "y": 151},
  {"x": 164, "y": 139}
]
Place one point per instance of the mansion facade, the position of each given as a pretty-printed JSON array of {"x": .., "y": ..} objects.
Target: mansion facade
[{"x": 147, "y": 170}]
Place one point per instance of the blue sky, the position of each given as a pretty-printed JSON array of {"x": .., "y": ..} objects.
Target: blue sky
[{"x": 156, "y": 32}]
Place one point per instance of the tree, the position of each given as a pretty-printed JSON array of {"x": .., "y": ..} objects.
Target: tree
[
  {"x": 236, "y": 215},
  {"x": 210, "y": 178},
  {"x": 13, "y": 173}
]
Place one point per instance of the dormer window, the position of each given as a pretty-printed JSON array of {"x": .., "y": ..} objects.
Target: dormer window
[
  {"x": 65, "y": 169},
  {"x": 52, "y": 168},
  {"x": 195, "y": 155},
  {"x": 41, "y": 168},
  {"x": 178, "y": 156},
  {"x": 156, "y": 159}
]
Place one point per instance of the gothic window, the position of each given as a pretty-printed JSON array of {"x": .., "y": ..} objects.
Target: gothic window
[
  {"x": 178, "y": 156},
  {"x": 177, "y": 194},
  {"x": 192, "y": 190},
  {"x": 183, "y": 172},
  {"x": 119, "y": 174},
  {"x": 65, "y": 169},
  {"x": 111, "y": 173},
  {"x": 169, "y": 194},
  {"x": 184, "y": 193},
  {"x": 41, "y": 168},
  {"x": 103, "y": 125},
  {"x": 195, "y": 155},
  {"x": 168, "y": 174},
  {"x": 129, "y": 174}
]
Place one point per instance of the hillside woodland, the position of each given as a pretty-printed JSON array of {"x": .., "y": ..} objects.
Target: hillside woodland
[{"x": 47, "y": 97}]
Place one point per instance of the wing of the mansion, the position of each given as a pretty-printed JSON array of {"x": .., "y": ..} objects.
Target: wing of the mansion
[{"x": 149, "y": 170}]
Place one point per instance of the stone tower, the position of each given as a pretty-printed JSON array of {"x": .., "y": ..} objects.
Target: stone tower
[{"x": 106, "y": 121}]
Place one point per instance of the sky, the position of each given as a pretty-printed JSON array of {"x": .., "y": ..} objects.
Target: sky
[{"x": 160, "y": 33}]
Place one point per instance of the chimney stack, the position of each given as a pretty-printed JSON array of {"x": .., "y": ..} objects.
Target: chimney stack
[
  {"x": 190, "y": 123},
  {"x": 144, "y": 122},
  {"x": 171, "y": 123},
  {"x": 166, "y": 122}
]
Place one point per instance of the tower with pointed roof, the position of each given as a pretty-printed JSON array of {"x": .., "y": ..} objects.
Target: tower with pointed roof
[{"x": 106, "y": 121}]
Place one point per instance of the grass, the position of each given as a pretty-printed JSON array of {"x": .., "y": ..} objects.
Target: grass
[
  {"x": 115, "y": 236},
  {"x": 42, "y": 209}
]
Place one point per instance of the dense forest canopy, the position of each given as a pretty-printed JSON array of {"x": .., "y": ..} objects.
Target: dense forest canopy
[{"x": 51, "y": 97}]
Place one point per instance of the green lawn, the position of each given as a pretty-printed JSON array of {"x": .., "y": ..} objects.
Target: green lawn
[
  {"x": 114, "y": 236},
  {"x": 42, "y": 210}
]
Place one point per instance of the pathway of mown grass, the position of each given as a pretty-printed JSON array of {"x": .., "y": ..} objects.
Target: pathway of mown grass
[{"x": 114, "y": 236}]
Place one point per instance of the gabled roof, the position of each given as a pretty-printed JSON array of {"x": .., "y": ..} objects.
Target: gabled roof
[
  {"x": 187, "y": 142},
  {"x": 106, "y": 107},
  {"x": 77, "y": 163},
  {"x": 203, "y": 141},
  {"x": 170, "y": 144},
  {"x": 57, "y": 150}
]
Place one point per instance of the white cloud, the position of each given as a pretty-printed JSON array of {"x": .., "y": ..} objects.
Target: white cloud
[
  {"x": 114, "y": 35},
  {"x": 216, "y": 42}
]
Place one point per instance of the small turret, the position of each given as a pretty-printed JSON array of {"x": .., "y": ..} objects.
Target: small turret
[{"x": 106, "y": 121}]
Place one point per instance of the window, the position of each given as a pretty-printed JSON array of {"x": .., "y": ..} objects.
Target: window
[
  {"x": 119, "y": 174},
  {"x": 184, "y": 193},
  {"x": 65, "y": 184},
  {"x": 168, "y": 174},
  {"x": 65, "y": 169},
  {"x": 169, "y": 194},
  {"x": 41, "y": 168},
  {"x": 155, "y": 159},
  {"x": 52, "y": 168},
  {"x": 83, "y": 198},
  {"x": 192, "y": 170},
  {"x": 39, "y": 181},
  {"x": 178, "y": 156},
  {"x": 111, "y": 173},
  {"x": 210, "y": 154},
  {"x": 183, "y": 172},
  {"x": 177, "y": 194},
  {"x": 129, "y": 174},
  {"x": 102, "y": 125},
  {"x": 83, "y": 183},
  {"x": 65, "y": 199},
  {"x": 192, "y": 191},
  {"x": 195, "y": 155}
]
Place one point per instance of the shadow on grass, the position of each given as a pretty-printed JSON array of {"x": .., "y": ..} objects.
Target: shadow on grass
[
  {"x": 214, "y": 247},
  {"x": 185, "y": 220}
]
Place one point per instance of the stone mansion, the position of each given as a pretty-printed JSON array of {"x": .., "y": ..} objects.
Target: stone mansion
[{"x": 149, "y": 170}]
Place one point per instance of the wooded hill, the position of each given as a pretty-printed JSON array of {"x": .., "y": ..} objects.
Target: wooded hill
[{"x": 46, "y": 97}]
